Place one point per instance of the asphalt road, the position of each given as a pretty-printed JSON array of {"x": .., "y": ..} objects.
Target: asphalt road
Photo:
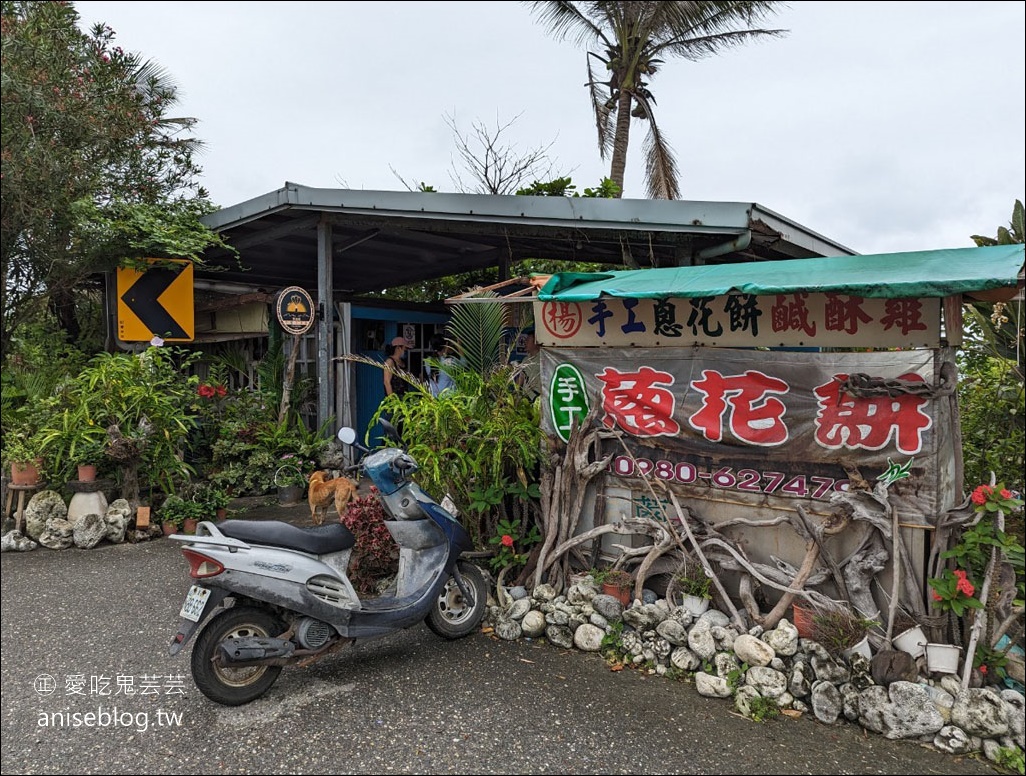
[{"x": 98, "y": 623}]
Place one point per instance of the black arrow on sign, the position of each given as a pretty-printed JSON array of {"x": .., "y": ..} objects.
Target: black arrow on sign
[{"x": 141, "y": 299}]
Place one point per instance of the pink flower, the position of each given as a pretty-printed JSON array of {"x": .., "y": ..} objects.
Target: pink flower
[{"x": 507, "y": 540}]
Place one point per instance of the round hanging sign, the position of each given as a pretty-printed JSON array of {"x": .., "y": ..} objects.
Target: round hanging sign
[{"x": 295, "y": 310}]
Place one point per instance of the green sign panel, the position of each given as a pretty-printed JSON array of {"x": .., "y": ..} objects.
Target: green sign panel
[{"x": 568, "y": 399}]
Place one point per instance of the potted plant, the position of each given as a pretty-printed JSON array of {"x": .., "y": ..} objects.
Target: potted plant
[
  {"x": 842, "y": 631},
  {"x": 291, "y": 482},
  {"x": 24, "y": 454},
  {"x": 181, "y": 513},
  {"x": 689, "y": 586},
  {"x": 614, "y": 582},
  {"x": 213, "y": 499},
  {"x": 86, "y": 455}
]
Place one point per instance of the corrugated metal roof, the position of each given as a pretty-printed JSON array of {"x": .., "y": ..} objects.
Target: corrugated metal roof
[
  {"x": 380, "y": 239},
  {"x": 884, "y": 275}
]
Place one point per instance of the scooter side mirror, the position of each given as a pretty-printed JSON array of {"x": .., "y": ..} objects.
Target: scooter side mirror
[{"x": 346, "y": 435}]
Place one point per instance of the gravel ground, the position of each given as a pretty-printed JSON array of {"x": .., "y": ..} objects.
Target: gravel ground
[{"x": 407, "y": 703}]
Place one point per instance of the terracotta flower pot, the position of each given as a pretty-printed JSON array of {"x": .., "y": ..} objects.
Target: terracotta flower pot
[
  {"x": 25, "y": 473},
  {"x": 189, "y": 526},
  {"x": 623, "y": 594},
  {"x": 803, "y": 621},
  {"x": 168, "y": 528},
  {"x": 87, "y": 473}
]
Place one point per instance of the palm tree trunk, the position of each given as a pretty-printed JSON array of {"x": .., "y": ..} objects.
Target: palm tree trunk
[{"x": 620, "y": 140}]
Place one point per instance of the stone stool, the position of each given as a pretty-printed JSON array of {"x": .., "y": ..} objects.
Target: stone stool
[{"x": 87, "y": 499}]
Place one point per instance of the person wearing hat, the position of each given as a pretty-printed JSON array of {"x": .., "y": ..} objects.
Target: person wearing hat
[{"x": 395, "y": 360}]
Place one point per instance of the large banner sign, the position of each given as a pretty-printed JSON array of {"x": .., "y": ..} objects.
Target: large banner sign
[
  {"x": 755, "y": 427},
  {"x": 742, "y": 320}
]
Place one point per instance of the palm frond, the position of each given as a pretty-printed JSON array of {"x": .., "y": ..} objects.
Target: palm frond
[{"x": 661, "y": 175}]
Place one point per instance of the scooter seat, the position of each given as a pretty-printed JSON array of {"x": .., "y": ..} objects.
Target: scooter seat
[{"x": 318, "y": 540}]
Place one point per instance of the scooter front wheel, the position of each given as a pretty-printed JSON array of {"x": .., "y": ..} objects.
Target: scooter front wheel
[
  {"x": 224, "y": 684},
  {"x": 454, "y": 616}
]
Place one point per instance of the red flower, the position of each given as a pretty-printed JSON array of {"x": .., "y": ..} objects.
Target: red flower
[
  {"x": 507, "y": 540},
  {"x": 1006, "y": 493},
  {"x": 937, "y": 596},
  {"x": 983, "y": 669},
  {"x": 206, "y": 391},
  {"x": 221, "y": 390},
  {"x": 981, "y": 493}
]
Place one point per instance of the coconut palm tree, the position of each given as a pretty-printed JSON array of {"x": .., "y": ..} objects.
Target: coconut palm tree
[{"x": 632, "y": 36}]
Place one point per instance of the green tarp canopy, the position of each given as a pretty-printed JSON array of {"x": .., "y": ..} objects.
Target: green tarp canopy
[{"x": 883, "y": 275}]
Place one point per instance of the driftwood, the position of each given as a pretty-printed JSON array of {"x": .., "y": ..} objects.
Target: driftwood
[
  {"x": 634, "y": 525},
  {"x": 562, "y": 508},
  {"x": 805, "y": 528}
]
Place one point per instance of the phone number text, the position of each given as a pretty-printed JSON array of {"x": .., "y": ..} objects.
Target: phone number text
[{"x": 727, "y": 477}]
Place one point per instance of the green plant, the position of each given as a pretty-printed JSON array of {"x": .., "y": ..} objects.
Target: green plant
[
  {"x": 479, "y": 441},
  {"x": 212, "y": 497},
  {"x": 1011, "y": 758},
  {"x": 289, "y": 474},
  {"x": 735, "y": 678},
  {"x": 690, "y": 579},
  {"x": 612, "y": 643},
  {"x": 761, "y": 708},
  {"x": 511, "y": 544},
  {"x": 954, "y": 589},
  {"x": 838, "y": 629},
  {"x": 618, "y": 578},
  {"x": 72, "y": 438},
  {"x": 21, "y": 446},
  {"x": 176, "y": 510}
]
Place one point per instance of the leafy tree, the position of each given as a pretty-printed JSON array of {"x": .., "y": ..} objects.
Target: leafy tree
[
  {"x": 998, "y": 327},
  {"x": 630, "y": 38},
  {"x": 480, "y": 440},
  {"x": 991, "y": 388},
  {"x": 97, "y": 170}
]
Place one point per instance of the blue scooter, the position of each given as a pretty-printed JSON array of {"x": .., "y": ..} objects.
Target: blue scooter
[{"x": 273, "y": 594}]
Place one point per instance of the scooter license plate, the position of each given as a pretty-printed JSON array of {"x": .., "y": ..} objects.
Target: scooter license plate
[{"x": 195, "y": 603}]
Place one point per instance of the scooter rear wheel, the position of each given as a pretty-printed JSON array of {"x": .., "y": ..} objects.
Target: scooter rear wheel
[
  {"x": 223, "y": 684},
  {"x": 453, "y": 616}
]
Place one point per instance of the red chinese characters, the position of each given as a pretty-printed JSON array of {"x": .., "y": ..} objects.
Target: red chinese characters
[
  {"x": 870, "y": 422},
  {"x": 641, "y": 403},
  {"x": 753, "y": 418}
]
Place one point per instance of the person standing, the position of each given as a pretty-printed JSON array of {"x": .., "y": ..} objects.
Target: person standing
[
  {"x": 439, "y": 380},
  {"x": 395, "y": 361}
]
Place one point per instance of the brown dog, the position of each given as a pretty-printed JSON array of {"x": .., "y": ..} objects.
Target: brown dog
[{"x": 323, "y": 491}]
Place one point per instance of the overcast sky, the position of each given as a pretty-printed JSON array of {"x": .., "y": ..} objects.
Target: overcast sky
[{"x": 885, "y": 126}]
